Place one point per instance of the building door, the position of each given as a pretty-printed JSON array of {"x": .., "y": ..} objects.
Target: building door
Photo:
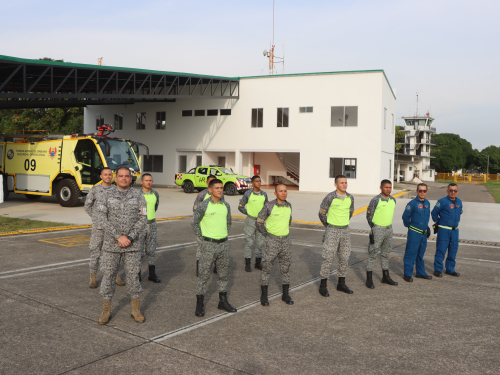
[
  {"x": 182, "y": 163},
  {"x": 198, "y": 160},
  {"x": 222, "y": 161}
]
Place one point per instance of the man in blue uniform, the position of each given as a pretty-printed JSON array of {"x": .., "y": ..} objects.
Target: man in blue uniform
[
  {"x": 446, "y": 216},
  {"x": 416, "y": 219}
]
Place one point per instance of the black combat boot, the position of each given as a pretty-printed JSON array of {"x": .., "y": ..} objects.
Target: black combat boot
[
  {"x": 369, "y": 280},
  {"x": 322, "y": 288},
  {"x": 248, "y": 267},
  {"x": 286, "y": 297},
  {"x": 215, "y": 268},
  {"x": 408, "y": 279},
  {"x": 258, "y": 264},
  {"x": 200, "y": 308},
  {"x": 197, "y": 262},
  {"x": 152, "y": 275},
  {"x": 263, "y": 296},
  {"x": 342, "y": 287},
  {"x": 140, "y": 278},
  {"x": 224, "y": 304},
  {"x": 386, "y": 279}
]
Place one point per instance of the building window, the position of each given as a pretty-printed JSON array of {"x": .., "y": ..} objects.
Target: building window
[
  {"x": 198, "y": 160},
  {"x": 118, "y": 121},
  {"x": 305, "y": 109},
  {"x": 257, "y": 114},
  {"x": 341, "y": 166},
  {"x": 385, "y": 117},
  {"x": 410, "y": 168},
  {"x": 431, "y": 173},
  {"x": 98, "y": 121},
  {"x": 390, "y": 168},
  {"x": 199, "y": 112},
  {"x": 154, "y": 163},
  {"x": 160, "y": 120},
  {"x": 140, "y": 121},
  {"x": 344, "y": 116},
  {"x": 282, "y": 117},
  {"x": 187, "y": 113},
  {"x": 225, "y": 112},
  {"x": 393, "y": 125},
  {"x": 212, "y": 112}
]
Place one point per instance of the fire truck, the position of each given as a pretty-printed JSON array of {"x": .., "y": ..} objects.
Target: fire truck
[{"x": 67, "y": 166}]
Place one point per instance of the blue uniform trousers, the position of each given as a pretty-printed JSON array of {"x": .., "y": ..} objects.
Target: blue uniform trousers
[
  {"x": 416, "y": 244},
  {"x": 446, "y": 240}
]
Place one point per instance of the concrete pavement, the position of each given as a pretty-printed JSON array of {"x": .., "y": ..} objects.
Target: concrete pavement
[{"x": 49, "y": 315}]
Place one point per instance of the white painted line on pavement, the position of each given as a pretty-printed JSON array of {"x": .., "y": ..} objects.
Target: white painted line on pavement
[
  {"x": 480, "y": 260},
  {"x": 48, "y": 265},
  {"x": 180, "y": 331},
  {"x": 46, "y": 270}
]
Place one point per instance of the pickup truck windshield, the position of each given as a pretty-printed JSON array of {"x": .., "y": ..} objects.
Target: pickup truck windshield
[
  {"x": 121, "y": 155},
  {"x": 227, "y": 171}
]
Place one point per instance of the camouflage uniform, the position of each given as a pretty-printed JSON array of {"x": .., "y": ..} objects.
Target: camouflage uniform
[
  {"x": 251, "y": 233},
  {"x": 382, "y": 236},
  {"x": 149, "y": 238},
  {"x": 202, "y": 195},
  {"x": 275, "y": 246},
  {"x": 121, "y": 212},
  {"x": 336, "y": 239},
  {"x": 211, "y": 251},
  {"x": 97, "y": 236}
]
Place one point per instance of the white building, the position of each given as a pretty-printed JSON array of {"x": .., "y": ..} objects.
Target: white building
[
  {"x": 415, "y": 160},
  {"x": 302, "y": 129}
]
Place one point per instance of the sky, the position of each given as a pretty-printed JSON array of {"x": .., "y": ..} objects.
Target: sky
[{"x": 446, "y": 51}]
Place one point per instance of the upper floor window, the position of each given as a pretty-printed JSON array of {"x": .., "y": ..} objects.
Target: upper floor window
[
  {"x": 160, "y": 120},
  {"x": 257, "y": 120},
  {"x": 385, "y": 118},
  {"x": 98, "y": 121},
  {"x": 140, "y": 121},
  {"x": 199, "y": 112},
  {"x": 187, "y": 113},
  {"x": 305, "y": 109},
  {"x": 282, "y": 117},
  {"x": 344, "y": 116},
  {"x": 118, "y": 121},
  {"x": 225, "y": 112},
  {"x": 212, "y": 112}
]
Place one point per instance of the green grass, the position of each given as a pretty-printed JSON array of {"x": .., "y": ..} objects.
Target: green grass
[
  {"x": 494, "y": 189},
  {"x": 8, "y": 224},
  {"x": 446, "y": 181}
]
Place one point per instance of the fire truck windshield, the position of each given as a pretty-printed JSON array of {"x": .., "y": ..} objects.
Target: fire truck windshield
[{"x": 120, "y": 154}]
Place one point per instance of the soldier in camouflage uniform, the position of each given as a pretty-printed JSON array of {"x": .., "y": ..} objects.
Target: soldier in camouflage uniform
[
  {"x": 335, "y": 213},
  {"x": 149, "y": 239},
  {"x": 202, "y": 195},
  {"x": 379, "y": 215},
  {"x": 211, "y": 223},
  {"x": 273, "y": 223},
  {"x": 251, "y": 204},
  {"x": 123, "y": 216},
  {"x": 97, "y": 237}
]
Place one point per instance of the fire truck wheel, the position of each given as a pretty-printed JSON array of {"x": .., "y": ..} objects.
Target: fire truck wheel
[
  {"x": 32, "y": 197},
  {"x": 188, "y": 187},
  {"x": 68, "y": 193},
  {"x": 230, "y": 189}
]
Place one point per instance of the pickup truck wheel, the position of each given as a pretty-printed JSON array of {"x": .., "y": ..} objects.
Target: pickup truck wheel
[
  {"x": 68, "y": 193},
  {"x": 231, "y": 189},
  {"x": 188, "y": 187},
  {"x": 241, "y": 192},
  {"x": 32, "y": 197}
]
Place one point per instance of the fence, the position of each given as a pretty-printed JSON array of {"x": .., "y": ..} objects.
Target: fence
[{"x": 468, "y": 178}]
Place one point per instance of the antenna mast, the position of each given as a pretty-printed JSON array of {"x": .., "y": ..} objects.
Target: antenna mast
[{"x": 270, "y": 54}]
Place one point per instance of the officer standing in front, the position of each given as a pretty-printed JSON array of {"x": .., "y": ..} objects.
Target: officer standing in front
[
  {"x": 202, "y": 195},
  {"x": 123, "y": 216},
  {"x": 273, "y": 223},
  {"x": 379, "y": 214},
  {"x": 446, "y": 216},
  {"x": 97, "y": 236},
  {"x": 416, "y": 219},
  {"x": 335, "y": 213},
  {"x": 211, "y": 223},
  {"x": 251, "y": 204},
  {"x": 149, "y": 239}
]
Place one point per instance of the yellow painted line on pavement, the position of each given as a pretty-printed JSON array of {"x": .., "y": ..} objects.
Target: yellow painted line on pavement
[{"x": 69, "y": 241}]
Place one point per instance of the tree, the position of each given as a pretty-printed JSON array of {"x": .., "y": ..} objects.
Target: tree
[
  {"x": 399, "y": 138},
  {"x": 452, "y": 152}
]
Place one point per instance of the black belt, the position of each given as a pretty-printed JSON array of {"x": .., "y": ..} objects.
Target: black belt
[{"x": 214, "y": 240}]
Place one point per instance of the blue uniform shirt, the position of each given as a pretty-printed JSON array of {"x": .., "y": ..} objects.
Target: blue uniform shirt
[
  {"x": 447, "y": 212},
  {"x": 417, "y": 214}
]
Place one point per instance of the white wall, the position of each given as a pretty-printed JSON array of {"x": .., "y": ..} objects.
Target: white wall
[{"x": 309, "y": 134}]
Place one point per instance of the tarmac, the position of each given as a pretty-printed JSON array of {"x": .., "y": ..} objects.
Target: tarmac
[{"x": 48, "y": 315}]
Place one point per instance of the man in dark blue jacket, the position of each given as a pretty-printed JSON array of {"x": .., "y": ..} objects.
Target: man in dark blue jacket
[
  {"x": 416, "y": 219},
  {"x": 446, "y": 216}
]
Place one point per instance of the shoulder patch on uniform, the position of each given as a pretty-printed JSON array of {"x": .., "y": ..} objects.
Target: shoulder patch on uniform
[
  {"x": 408, "y": 207},
  {"x": 438, "y": 204}
]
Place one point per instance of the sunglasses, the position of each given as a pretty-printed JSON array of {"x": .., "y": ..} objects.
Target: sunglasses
[
  {"x": 453, "y": 191},
  {"x": 422, "y": 191}
]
